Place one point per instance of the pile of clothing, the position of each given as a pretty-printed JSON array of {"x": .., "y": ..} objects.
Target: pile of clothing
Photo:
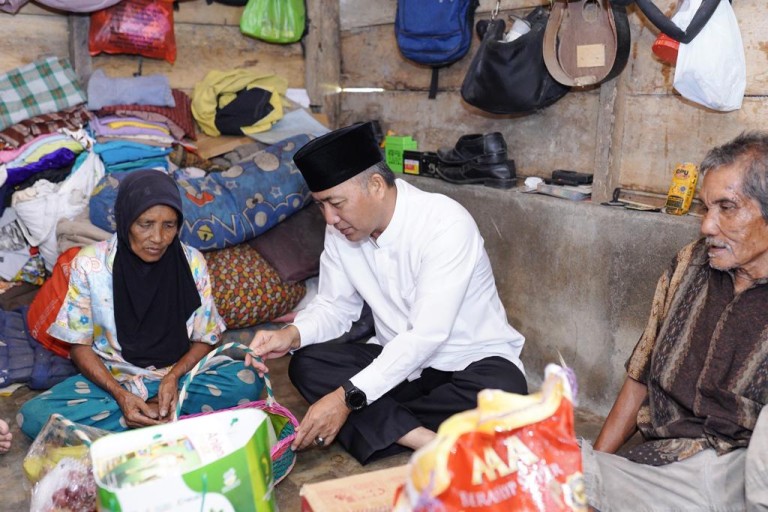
[{"x": 63, "y": 154}]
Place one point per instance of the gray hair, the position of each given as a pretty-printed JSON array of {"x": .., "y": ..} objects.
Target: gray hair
[
  {"x": 751, "y": 150},
  {"x": 380, "y": 168}
]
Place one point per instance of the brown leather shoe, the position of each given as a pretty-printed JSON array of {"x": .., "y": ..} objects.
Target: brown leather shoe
[{"x": 476, "y": 148}]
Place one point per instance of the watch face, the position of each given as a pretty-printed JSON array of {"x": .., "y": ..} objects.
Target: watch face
[{"x": 356, "y": 399}]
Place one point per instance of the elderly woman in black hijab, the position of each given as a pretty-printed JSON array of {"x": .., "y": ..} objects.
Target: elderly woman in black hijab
[{"x": 139, "y": 314}]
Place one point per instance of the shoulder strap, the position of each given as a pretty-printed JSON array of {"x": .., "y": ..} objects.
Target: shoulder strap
[
  {"x": 666, "y": 25},
  {"x": 433, "y": 84}
]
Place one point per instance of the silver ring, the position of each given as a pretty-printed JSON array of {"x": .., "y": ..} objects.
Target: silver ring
[{"x": 319, "y": 441}]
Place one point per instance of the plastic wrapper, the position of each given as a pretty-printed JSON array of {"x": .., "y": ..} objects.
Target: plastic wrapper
[
  {"x": 711, "y": 70},
  {"x": 58, "y": 467},
  {"x": 513, "y": 452},
  {"x": 68, "y": 487}
]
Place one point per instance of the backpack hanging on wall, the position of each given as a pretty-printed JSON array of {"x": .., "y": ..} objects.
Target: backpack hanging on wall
[{"x": 434, "y": 33}]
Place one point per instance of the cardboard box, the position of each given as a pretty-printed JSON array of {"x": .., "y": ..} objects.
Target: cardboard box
[
  {"x": 368, "y": 492},
  {"x": 218, "y": 462},
  {"x": 394, "y": 146}
]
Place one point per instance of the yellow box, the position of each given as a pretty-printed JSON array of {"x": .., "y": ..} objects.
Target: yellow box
[{"x": 682, "y": 189}]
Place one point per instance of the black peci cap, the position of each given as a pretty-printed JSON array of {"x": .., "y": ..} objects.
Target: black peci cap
[{"x": 337, "y": 156}]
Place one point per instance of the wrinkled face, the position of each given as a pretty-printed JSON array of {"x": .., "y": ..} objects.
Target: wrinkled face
[
  {"x": 737, "y": 234},
  {"x": 153, "y": 231},
  {"x": 351, "y": 208}
]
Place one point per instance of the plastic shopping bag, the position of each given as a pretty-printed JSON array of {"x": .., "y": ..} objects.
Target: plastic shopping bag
[
  {"x": 139, "y": 27},
  {"x": 513, "y": 452},
  {"x": 58, "y": 465},
  {"x": 274, "y": 21},
  {"x": 711, "y": 70}
]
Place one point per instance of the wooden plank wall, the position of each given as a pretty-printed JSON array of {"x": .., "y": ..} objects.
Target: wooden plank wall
[
  {"x": 632, "y": 133},
  {"x": 207, "y": 37}
]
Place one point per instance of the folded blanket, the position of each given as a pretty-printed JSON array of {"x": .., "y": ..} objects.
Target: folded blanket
[
  {"x": 141, "y": 90},
  {"x": 78, "y": 232},
  {"x": 179, "y": 116},
  {"x": 44, "y": 86},
  {"x": 25, "y": 131}
]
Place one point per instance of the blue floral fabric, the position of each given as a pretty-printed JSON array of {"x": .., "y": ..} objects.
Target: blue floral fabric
[{"x": 227, "y": 208}]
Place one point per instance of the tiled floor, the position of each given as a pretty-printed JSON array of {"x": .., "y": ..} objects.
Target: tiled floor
[{"x": 313, "y": 465}]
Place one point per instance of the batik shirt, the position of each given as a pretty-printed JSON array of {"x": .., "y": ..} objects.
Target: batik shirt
[
  {"x": 704, "y": 358},
  {"x": 87, "y": 316}
]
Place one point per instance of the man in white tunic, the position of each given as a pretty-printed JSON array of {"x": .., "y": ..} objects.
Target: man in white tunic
[{"x": 418, "y": 260}]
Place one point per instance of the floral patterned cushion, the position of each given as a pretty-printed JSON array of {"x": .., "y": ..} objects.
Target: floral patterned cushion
[{"x": 246, "y": 289}]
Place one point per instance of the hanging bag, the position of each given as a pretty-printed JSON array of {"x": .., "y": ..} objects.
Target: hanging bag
[
  {"x": 434, "y": 33},
  {"x": 274, "y": 21},
  {"x": 711, "y": 70},
  {"x": 511, "y": 77},
  {"x": 586, "y": 42}
]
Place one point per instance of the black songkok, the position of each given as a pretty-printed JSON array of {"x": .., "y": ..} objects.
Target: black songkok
[{"x": 337, "y": 156}]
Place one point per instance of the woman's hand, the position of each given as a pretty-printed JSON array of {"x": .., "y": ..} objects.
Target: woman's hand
[
  {"x": 137, "y": 412},
  {"x": 167, "y": 396}
]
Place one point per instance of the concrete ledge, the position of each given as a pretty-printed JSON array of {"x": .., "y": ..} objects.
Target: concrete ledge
[{"x": 575, "y": 277}]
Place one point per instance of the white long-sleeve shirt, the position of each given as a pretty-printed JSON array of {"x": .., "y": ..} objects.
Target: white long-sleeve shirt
[{"x": 430, "y": 286}]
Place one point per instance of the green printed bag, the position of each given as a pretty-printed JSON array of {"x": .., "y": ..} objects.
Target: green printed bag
[{"x": 274, "y": 21}]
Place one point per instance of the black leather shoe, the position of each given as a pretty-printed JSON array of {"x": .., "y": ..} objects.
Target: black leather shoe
[
  {"x": 501, "y": 175},
  {"x": 477, "y": 148}
]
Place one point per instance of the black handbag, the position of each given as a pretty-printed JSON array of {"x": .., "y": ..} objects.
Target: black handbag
[{"x": 511, "y": 77}]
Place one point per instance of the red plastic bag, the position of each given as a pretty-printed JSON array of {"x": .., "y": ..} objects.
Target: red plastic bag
[
  {"x": 140, "y": 27},
  {"x": 513, "y": 452},
  {"x": 47, "y": 302}
]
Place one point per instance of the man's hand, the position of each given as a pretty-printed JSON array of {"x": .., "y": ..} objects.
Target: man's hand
[
  {"x": 323, "y": 419},
  {"x": 137, "y": 412},
  {"x": 167, "y": 396},
  {"x": 272, "y": 344}
]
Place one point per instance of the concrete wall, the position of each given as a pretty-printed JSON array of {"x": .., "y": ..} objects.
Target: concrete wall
[{"x": 575, "y": 277}]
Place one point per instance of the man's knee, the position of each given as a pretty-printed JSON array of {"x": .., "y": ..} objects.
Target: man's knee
[
  {"x": 303, "y": 363},
  {"x": 497, "y": 373}
]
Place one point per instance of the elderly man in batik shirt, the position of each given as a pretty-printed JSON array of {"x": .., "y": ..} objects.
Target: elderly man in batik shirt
[{"x": 697, "y": 380}]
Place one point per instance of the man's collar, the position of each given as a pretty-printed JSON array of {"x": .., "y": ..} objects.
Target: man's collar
[{"x": 395, "y": 227}]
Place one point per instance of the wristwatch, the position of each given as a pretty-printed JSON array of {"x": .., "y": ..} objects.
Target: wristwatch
[{"x": 354, "y": 397}]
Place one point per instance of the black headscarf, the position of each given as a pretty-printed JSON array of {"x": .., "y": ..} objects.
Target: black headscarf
[{"x": 152, "y": 300}]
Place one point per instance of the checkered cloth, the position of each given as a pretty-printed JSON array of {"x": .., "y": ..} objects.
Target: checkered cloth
[{"x": 44, "y": 86}]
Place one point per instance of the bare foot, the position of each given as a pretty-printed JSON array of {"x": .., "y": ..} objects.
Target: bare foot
[
  {"x": 5, "y": 437},
  {"x": 416, "y": 438}
]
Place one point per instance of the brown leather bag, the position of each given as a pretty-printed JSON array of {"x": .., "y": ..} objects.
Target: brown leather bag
[{"x": 586, "y": 42}]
